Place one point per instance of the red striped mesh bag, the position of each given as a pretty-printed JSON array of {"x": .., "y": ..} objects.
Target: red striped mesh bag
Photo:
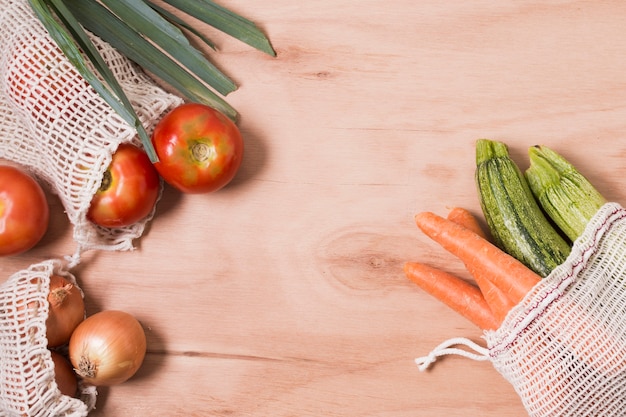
[
  {"x": 53, "y": 122},
  {"x": 563, "y": 348}
]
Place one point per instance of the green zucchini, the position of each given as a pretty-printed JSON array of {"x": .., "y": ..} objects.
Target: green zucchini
[
  {"x": 565, "y": 195},
  {"x": 516, "y": 222}
]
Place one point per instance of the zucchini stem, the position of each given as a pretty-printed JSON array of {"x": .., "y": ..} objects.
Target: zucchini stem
[{"x": 566, "y": 196}]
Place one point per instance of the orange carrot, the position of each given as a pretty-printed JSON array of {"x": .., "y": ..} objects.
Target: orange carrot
[
  {"x": 498, "y": 301},
  {"x": 486, "y": 261},
  {"x": 460, "y": 295},
  {"x": 464, "y": 217},
  {"x": 481, "y": 258}
]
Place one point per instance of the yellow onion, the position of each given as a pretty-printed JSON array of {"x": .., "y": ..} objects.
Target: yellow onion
[
  {"x": 66, "y": 310},
  {"x": 64, "y": 375},
  {"x": 107, "y": 348}
]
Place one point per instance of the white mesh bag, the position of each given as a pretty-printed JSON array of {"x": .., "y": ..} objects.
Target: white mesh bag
[
  {"x": 563, "y": 348},
  {"x": 53, "y": 122},
  {"x": 27, "y": 385}
]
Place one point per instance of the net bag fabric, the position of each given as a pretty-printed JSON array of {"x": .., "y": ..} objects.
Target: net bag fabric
[
  {"x": 55, "y": 124},
  {"x": 27, "y": 385},
  {"x": 563, "y": 348}
]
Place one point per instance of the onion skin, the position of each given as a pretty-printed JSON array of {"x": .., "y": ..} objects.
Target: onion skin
[
  {"x": 66, "y": 310},
  {"x": 107, "y": 348},
  {"x": 64, "y": 375}
]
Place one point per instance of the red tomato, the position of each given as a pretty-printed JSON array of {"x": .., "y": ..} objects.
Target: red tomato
[
  {"x": 129, "y": 190},
  {"x": 199, "y": 148},
  {"x": 24, "y": 211}
]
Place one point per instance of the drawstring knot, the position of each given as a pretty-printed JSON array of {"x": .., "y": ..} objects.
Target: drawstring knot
[{"x": 476, "y": 352}]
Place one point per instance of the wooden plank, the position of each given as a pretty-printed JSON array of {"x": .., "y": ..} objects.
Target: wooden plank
[{"x": 283, "y": 294}]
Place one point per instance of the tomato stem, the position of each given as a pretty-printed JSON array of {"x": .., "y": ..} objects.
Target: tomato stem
[
  {"x": 106, "y": 181},
  {"x": 200, "y": 151}
]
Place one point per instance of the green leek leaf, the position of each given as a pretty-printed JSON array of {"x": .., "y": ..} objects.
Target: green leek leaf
[
  {"x": 151, "y": 36},
  {"x": 226, "y": 21},
  {"x": 180, "y": 22},
  {"x": 67, "y": 37},
  {"x": 99, "y": 20},
  {"x": 147, "y": 22}
]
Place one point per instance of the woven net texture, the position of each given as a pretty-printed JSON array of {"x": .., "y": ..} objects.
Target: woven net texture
[
  {"x": 56, "y": 125},
  {"x": 563, "y": 348},
  {"x": 27, "y": 384}
]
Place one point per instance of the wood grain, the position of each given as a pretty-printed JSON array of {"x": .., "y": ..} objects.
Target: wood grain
[{"x": 283, "y": 294}]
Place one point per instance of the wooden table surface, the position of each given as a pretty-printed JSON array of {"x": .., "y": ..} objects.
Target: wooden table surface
[{"x": 283, "y": 294}]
